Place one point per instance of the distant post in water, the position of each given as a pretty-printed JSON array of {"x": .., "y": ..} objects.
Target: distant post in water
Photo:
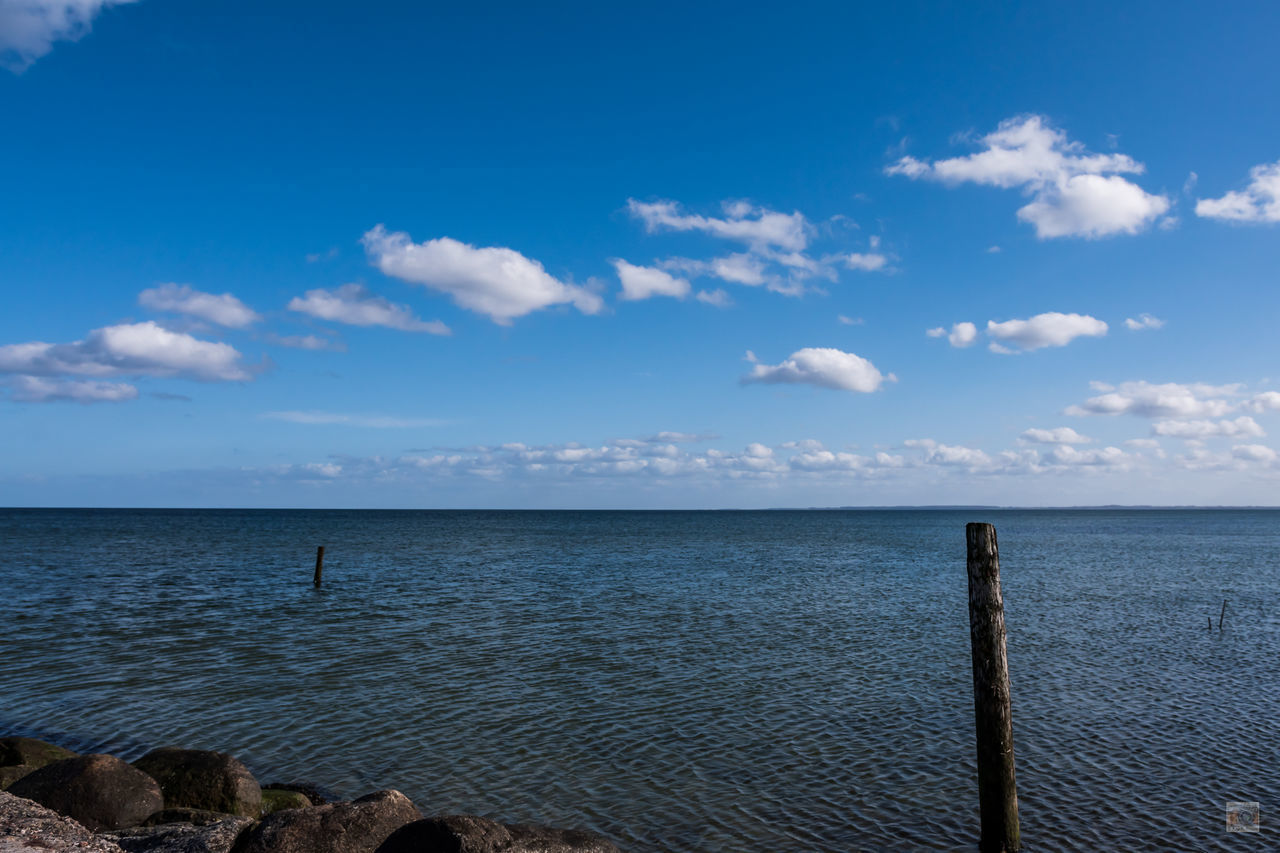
[
  {"x": 997, "y": 790},
  {"x": 319, "y": 564}
]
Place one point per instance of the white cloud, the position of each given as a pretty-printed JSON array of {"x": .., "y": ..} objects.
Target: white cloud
[
  {"x": 850, "y": 321},
  {"x": 1241, "y": 426},
  {"x": 867, "y": 262},
  {"x": 1254, "y": 453},
  {"x": 1059, "y": 435},
  {"x": 1258, "y": 202},
  {"x": 936, "y": 453},
  {"x": 339, "y": 419},
  {"x": 35, "y": 389},
  {"x": 739, "y": 268},
  {"x": 822, "y": 366},
  {"x": 354, "y": 305},
  {"x": 308, "y": 342},
  {"x": 1066, "y": 455},
  {"x": 758, "y": 227},
  {"x": 961, "y": 336},
  {"x": 1073, "y": 193},
  {"x": 28, "y": 28},
  {"x": 137, "y": 349},
  {"x": 718, "y": 297},
  {"x": 1144, "y": 321},
  {"x": 1265, "y": 401},
  {"x": 498, "y": 282},
  {"x": 223, "y": 309},
  {"x": 1046, "y": 330},
  {"x": 644, "y": 282},
  {"x": 1167, "y": 400}
]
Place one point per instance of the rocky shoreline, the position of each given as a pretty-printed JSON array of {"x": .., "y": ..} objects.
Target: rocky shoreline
[{"x": 198, "y": 801}]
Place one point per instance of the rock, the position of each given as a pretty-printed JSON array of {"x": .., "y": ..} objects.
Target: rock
[
  {"x": 25, "y": 825},
  {"x": 472, "y": 834},
  {"x": 198, "y": 779},
  {"x": 278, "y": 799},
  {"x": 217, "y": 837},
  {"x": 317, "y": 795},
  {"x": 356, "y": 827},
  {"x": 100, "y": 791},
  {"x": 32, "y": 752},
  {"x": 12, "y": 773},
  {"x": 198, "y": 817}
]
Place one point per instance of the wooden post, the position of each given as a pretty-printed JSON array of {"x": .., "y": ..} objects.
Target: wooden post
[
  {"x": 997, "y": 790},
  {"x": 1222, "y": 614},
  {"x": 319, "y": 564}
]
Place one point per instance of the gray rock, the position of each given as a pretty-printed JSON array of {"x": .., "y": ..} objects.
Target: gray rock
[
  {"x": 356, "y": 827},
  {"x": 12, "y": 773},
  {"x": 182, "y": 837},
  {"x": 199, "y": 779},
  {"x": 199, "y": 817},
  {"x": 100, "y": 791},
  {"x": 472, "y": 834},
  {"x": 32, "y": 752},
  {"x": 27, "y": 826}
]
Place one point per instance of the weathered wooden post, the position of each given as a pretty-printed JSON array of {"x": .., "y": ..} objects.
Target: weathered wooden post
[
  {"x": 1221, "y": 615},
  {"x": 319, "y": 564},
  {"x": 997, "y": 790}
]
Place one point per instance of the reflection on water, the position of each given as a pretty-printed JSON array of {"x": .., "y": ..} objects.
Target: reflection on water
[{"x": 754, "y": 681}]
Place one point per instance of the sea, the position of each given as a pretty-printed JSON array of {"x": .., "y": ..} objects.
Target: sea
[{"x": 766, "y": 681}]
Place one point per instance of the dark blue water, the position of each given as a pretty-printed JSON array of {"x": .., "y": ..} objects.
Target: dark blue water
[{"x": 719, "y": 681}]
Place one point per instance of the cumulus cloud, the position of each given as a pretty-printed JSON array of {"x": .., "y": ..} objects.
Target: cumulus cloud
[
  {"x": 644, "y": 282},
  {"x": 223, "y": 309},
  {"x": 340, "y": 419},
  {"x": 354, "y": 305},
  {"x": 1072, "y": 193},
  {"x": 29, "y": 28},
  {"x": 1164, "y": 400},
  {"x": 1257, "y": 202},
  {"x": 1059, "y": 435},
  {"x": 1067, "y": 455},
  {"x": 936, "y": 453},
  {"x": 1199, "y": 430},
  {"x": 136, "y": 349},
  {"x": 36, "y": 389},
  {"x": 825, "y": 367},
  {"x": 498, "y": 282},
  {"x": 961, "y": 335},
  {"x": 758, "y": 227},
  {"x": 1051, "y": 329},
  {"x": 1254, "y": 453},
  {"x": 1144, "y": 321},
  {"x": 1265, "y": 401}
]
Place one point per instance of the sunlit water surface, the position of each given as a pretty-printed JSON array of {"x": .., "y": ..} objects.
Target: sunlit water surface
[{"x": 728, "y": 681}]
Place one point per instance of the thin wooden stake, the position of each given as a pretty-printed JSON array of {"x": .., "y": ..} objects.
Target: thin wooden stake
[
  {"x": 997, "y": 787},
  {"x": 319, "y": 564},
  {"x": 1222, "y": 614}
]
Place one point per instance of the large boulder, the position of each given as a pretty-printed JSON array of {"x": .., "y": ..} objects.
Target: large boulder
[
  {"x": 216, "y": 837},
  {"x": 100, "y": 791},
  {"x": 31, "y": 752},
  {"x": 279, "y": 799},
  {"x": 12, "y": 773},
  {"x": 355, "y": 827},
  {"x": 199, "y": 779},
  {"x": 28, "y": 826},
  {"x": 472, "y": 834}
]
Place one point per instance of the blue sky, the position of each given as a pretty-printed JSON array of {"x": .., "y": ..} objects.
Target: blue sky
[{"x": 638, "y": 255}]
